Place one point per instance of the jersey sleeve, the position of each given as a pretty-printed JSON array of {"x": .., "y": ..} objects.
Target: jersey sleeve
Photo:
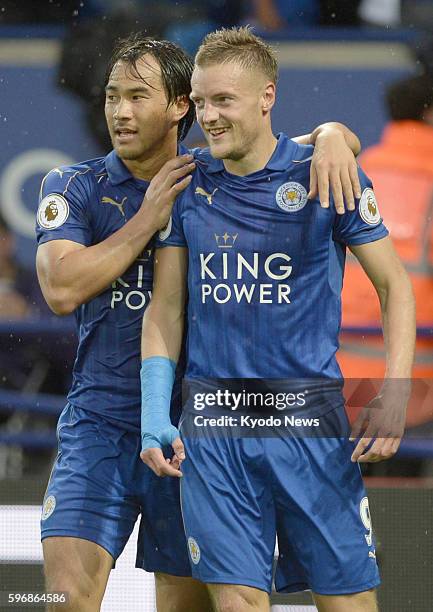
[
  {"x": 63, "y": 211},
  {"x": 172, "y": 234},
  {"x": 364, "y": 224}
]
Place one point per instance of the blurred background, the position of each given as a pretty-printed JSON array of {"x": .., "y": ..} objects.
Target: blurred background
[{"x": 366, "y": 63}]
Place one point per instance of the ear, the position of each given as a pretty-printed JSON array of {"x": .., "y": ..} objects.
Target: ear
[
  {"x": 268, "y": 98},
  {"x": 180, "y": 107}
]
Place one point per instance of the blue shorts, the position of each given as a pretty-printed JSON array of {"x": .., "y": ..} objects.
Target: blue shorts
[
  {"x": 98, "y": 488},
  {"x": 241, "y": 493}
]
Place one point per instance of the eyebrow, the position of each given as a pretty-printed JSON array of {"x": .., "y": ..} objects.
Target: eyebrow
[
  {"x": 220, "y": 94},
  {"x": 140, "y": 89}
]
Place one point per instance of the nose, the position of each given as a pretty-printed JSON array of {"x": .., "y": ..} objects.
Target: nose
[
  {"x": 122, "y": 110},
  {"x": 210, "y": 114}
]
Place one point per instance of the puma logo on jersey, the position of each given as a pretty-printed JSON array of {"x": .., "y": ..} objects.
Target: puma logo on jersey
[
  {"x": 118, "y": 205},
  {"x": 208, "y": 196}
]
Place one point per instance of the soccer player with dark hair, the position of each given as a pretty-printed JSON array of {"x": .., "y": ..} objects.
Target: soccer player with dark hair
[
  {"x": 263, "y": 267},
  {"x": 96, "y": 222}
]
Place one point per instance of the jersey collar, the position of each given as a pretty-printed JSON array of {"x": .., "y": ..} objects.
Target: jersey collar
[
  {"x": 284, "y": 153},
  {"x": 119, "y": 173},
  {"x": 116, "y": 169}
]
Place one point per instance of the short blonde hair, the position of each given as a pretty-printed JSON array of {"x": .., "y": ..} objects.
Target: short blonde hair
[{"x": 238, "y": 45}]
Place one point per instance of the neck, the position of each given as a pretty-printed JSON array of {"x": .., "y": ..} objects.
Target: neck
[
  {"x": 257, "y": 157},
  {"x": 146, "y": 167}
]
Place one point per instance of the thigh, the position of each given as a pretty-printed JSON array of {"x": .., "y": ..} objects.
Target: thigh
[
  {"x": 228, "y": 597},
  {"x": 228, "y": 511},
  {"x": 77, "y": 567},
  {"x": 180, "y": 594},
  {"x": 323, "y": 521},
  {"x": 90, "y": 494},
  {"x": 356, "y": 602}
]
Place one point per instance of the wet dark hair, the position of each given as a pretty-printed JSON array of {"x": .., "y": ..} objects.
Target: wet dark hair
[
  {"x": 176, "y": 69},
  {"x": 409, "y": 98}
]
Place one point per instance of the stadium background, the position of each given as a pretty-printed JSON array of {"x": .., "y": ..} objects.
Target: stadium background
[{"x": 327, "y": 73}]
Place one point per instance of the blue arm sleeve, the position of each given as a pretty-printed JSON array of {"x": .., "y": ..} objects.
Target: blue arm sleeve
[
  {"x": 364, "y": 224},
  {"x": 157, "y": 378},
  {"x": 173, "y": 234},
  {"x": 64, "y": 205}
]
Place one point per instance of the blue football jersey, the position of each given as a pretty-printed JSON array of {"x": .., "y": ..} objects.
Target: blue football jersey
[
  {"x": 86, "y": 203},
  {"x": 265, "y": 268}
]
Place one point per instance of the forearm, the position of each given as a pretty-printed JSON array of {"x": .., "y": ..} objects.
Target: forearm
[
  {"x": 162, "y": 332},
  {"x": 78, "y": 275},
  {"x": 161, "y": 342},
  {"x": 399, "y": 328},
  {"x": 351, "y": 139}
]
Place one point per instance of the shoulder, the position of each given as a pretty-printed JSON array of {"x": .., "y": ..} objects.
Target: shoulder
[
  {"x": 302, "y": 152},
  {"x": 301, "y": 158},
  {"x": 203, "y": 178},
  {"x": 67, "y": 180},
  {"x": 294, "y": 157}
]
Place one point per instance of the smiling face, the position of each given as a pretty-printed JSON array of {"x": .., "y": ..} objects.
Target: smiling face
[
  {"x": 233, "y": 107},
  {"x": 138, "y": 119}
]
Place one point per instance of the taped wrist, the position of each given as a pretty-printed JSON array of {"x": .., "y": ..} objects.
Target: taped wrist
[{"x": 157, "y": 378}]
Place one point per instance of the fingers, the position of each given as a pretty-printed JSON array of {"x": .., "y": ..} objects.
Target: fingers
[
  {"x": 395, "y": 445},
  {"x": 174, "y": 461},
  {"x": 354, "y": 179},
  {"x": 179, "y": 449},
  {"x": 381, "y": 449},
  {"x": 176, "y": 181},
  {"x": 343, "y": 182},
  {"x": 346, "y": 184},
  {"x": 177, "y": 162},
  {"x": 360, "y": 448},
  {"x": 170, "y": 180},
  {"x": 358, "y": 426},
  {"x": 181, "y": 185},
  {"x": 154, "y": 459},
  {"x": 172, "y": 171},
  {"x": 178, "y": 173},
  {"x": 337, "y": 191},
  {"x": 313, "y": 193},
  {"x": 323, "y": 186},
  {"x": 364, "y": 442}
]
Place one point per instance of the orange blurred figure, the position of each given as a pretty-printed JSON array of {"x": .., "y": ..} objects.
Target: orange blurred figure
[{"x": 401, "y": 168}]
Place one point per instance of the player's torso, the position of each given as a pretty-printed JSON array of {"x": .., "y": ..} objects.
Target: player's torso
[
  {"x": 106, "y": 372},
  {"x": 112, "y": 207},
  {"x": 258, "y": 264}
]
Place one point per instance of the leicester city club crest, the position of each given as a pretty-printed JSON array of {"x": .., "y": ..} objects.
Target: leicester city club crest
[
  {"x": 291, "y": 196},
  {"x": 194, "y": 550},
  {"x": 48, "y": 507}
]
